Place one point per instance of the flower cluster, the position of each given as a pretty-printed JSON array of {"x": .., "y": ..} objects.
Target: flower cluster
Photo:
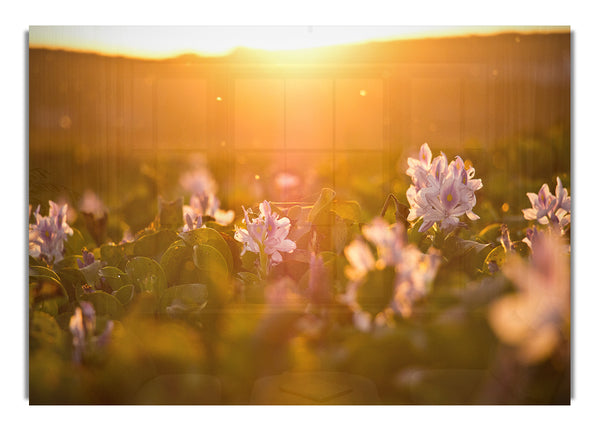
[
  {"x": 440, "y": 192},
  {"x": 48, "y": 234},
  {"x": 83, "y": 326},
  {"x": 266, "y": 235},
  {"x": 203, "y": 200},
  {"x": 536, "y": 318},
  {"x": 414, "y": 271},
  {"x": 551, "y": 209}
]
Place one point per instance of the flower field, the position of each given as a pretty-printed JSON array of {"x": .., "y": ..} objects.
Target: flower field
[{"x": 432, "y": 297}]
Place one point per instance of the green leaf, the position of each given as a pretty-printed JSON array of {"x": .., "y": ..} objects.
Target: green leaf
[
  {"x": 72, "y": 279},
  {"x": 74, "y": 243},
  {"x": 113, "y": 255},
  {"x": 153, "y": 245},
  {"x": 339, "y": 234},
  {"x": 490, "y": 233},
  {"x": 454, "y": 246},
  {"x": 229, "y": 229},
  {"x": 322, "y": 204},
  {"x": 249, "y": 261},
  {"x": 178, "y": 264},
  {"x": 36, "y": 271},
  {"x": 170, "y": 214},
  {"x": 497, "y": 255},
  {"x": 377, "y": 290},
  {"x": 294, "y": 213},
  {"x": 208, "y": 259},
  {"x": 115, "y": 278},
  {"x": 349, "y": 210},
  {"x": 91, "y": 272},
  {"x": 43, "y": 331},
  {"x": 253, "y": 287},
  {"x": 44, "y": 286},
  {"x": 146, "y": 275},
  {"x": 235, "y": 249},
  {"x": 49, "y": 306},
  {"x": 332, "y": 232},
  {"x": 68, "y": 262},
  {"x": 104, "y": 304},
  {"x": 111, "y": 272},
  {"x": 35, "y": 262},
  {"x": 208, "y": 236},
  {"x": 521, "y": 248},
  {"x": 184, "y": 300},
  {"x": 125, "y": 294}
]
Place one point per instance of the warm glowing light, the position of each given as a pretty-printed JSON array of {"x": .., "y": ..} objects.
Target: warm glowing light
[
  {"x": 363, "y": 93},
  {"x": 505, "y": 207},
  {"x": 257, "y": 177},
  {"x": 219, "y": 98},
  {"x": 65, "y": 122},
  {"x": 163, "y": 42}
]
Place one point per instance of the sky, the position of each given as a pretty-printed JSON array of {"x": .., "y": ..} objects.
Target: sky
[{"x": 170, "y": 41}]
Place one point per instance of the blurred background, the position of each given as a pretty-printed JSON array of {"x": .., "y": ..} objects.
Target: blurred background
[{"x": 281, "y": 124}]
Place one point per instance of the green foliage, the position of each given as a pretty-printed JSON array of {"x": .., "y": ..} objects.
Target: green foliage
[
  {"x": 170, "y": 214},
  {"x": 46, "y": 292},
  {"x": 210, "y": 261},
  {"x": 91, "y": 273},
  {"x": 104, "y": 304},
  {"x": 490, "y": 233},
  {"x": 210, "y": 237},
  {"x": 146, "y": 275},
  {"x": 154, "y": 244},
  {"x": 44, "y": 332},
  {"x": 114, "y": 277},
  {"x": 189, "y": 303},
  {"x": 322, "y": 204},
  {"x": 376, "y": 293},
  {"x": 495, "y": 258},
  {"x": 125, "y": 293},
  {"x": 75, "y": 243},
  {"x": 465, "y": 254},
  {"x": 72, "y": 280},
  {"x": 113, "y": 255},
  {"x": 185, "y": 301},
  {"x": 178, "y": 264}
]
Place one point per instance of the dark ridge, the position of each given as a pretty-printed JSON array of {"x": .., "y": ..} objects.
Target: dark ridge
[{"x": 427, "y": 50}]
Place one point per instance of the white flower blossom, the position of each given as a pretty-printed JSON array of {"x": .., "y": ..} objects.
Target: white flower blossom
[
  {"x": 414, "y": 272},
  {"x": 535, "y": 319},
  {"x": 547, "y": 208},
  {"x": 266, "y": 234},
  {"x": 203, "y": 200},
  {"x": 441, "y": 192},
  {"x": 48, "y": 234}
]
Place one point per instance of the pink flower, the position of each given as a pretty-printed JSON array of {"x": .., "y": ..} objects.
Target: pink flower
[
  {"x": 441, "y": 192},
  {"x": 535, "y": 319},
  {"x": 360, "y": 258},
  {"x": 91, "y": 204},
  {"x": 542, "y": 204},
  {"x": 48, "y": 234},
  {"x": 83, "y": 326},
  {"x": 203, "y": 200},
  {"x": 547, "y": 208},
  {"x": 266, "y": 234},
  {"x": 414, "y": 272}
]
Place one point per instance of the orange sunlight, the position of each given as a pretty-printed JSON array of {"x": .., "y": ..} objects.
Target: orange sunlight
[{"x": 170, "y": 41}]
